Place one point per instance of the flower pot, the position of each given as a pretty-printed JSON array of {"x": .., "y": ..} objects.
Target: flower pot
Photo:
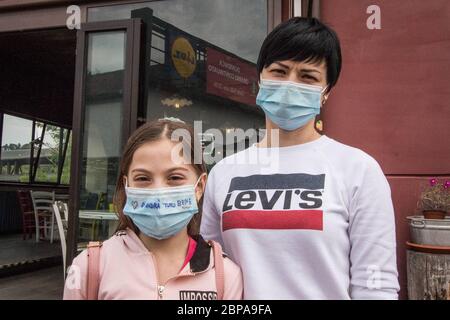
[{"x": 434, "y": 214}]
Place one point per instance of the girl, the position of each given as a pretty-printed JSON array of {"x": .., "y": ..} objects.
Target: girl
[{"x": 157, "y": 252}]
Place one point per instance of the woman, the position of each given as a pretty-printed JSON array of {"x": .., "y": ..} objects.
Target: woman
[
  {"x": 310, "y": 218},
  {"x": 157, "y": 254}
]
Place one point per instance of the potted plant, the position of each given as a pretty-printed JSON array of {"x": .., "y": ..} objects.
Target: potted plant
[{"x": 434, "y": 201}]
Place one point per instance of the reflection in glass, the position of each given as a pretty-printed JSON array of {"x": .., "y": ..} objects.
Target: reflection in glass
[
  {"x": 202, "y": 64},
  {"x": 236, "y": 26},
  {"x": 102, "y": 127}
]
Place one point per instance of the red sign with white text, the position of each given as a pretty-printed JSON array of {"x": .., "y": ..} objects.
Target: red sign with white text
[{"x": 231, "y": 78}]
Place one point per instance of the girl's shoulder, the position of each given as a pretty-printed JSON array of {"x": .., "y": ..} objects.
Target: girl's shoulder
[
  {"x": 233, "y": 280},
  {"x": 230, "y": 267},
  {"x": 122, "y": 240}
]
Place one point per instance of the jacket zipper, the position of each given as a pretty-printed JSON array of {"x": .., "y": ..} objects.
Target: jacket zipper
[{"x": 161, "y": 288}]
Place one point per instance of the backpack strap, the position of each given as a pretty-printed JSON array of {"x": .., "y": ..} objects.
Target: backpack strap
[
  {"x": 218, "y": 268},
  {"x": 93, "y": 269}
]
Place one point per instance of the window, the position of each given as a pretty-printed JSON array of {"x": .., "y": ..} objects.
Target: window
[
  {"x": 16, "y": 149},
  {"x": 34, "y": 152}
]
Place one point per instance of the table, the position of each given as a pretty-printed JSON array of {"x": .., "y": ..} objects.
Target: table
[
  {"x": 61, "y": 197},
  {"x": 101, "y": 215}
]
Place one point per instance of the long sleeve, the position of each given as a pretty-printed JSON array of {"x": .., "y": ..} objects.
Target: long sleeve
[
  {"x": 372, "y": 236},
  {"x": 210, "y": 224}
]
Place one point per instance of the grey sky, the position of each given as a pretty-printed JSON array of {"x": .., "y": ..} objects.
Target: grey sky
[{"x": 16, "y": 130}]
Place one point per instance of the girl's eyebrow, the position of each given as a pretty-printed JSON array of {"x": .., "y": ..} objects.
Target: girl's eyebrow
[
  {"x": 167, "y": 171},
  {"x": 176, "y": 168},
  {"x": 140, "y": 170}
]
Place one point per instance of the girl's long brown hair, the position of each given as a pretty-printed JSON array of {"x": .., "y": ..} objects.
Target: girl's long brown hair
[{"x": 154, "y": 131}]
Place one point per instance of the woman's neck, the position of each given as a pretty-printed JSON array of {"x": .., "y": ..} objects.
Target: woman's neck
[{"x": 288, "y": 138}]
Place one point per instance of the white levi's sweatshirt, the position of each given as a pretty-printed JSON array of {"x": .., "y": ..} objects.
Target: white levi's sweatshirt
[{"x": 310, "y": 221}]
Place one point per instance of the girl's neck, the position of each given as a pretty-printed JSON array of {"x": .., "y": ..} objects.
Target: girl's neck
[
  {"x": 176, "y": 245},
  {"x": 288, "y": 138}
]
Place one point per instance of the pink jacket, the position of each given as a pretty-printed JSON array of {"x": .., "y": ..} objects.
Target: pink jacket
[{"x": 127, "y": 271}]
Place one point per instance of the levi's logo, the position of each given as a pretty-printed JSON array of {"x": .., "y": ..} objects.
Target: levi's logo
[{"x": 278, "y": 201}]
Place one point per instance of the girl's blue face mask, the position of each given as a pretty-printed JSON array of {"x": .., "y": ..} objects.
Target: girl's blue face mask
[
  {"x": 163, "y": 212},
  {"x": 290, "y": 105}
]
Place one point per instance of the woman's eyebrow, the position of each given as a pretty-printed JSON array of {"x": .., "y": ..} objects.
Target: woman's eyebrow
[
  {"x": 282, "y": 65},
  {"x": 309, "y": 70}
]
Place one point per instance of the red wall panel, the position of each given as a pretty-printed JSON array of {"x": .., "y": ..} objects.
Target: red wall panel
[{"x": 393, "y": 98}]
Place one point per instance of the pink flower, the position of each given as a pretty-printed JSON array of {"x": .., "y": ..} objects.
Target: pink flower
[
  {"x": 433, "y": 182},
  {"x": 447, "y": 184}
]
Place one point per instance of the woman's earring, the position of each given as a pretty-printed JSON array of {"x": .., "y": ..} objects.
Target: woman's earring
[{"x": 319, "y": 125}]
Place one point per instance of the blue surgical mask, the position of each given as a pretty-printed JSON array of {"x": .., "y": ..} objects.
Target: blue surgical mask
[
  {"x": 163, "y": 212},
  {"x": 290, "y": 105}
]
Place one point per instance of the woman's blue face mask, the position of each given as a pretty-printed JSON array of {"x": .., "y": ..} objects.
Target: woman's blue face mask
[{"x": 290, "y": 105}]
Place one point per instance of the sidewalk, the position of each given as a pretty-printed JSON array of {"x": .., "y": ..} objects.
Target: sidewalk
[{"x": 44, "y": 284}]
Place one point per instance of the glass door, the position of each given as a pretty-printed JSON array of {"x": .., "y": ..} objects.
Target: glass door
[{"x": 105, "y": 110}]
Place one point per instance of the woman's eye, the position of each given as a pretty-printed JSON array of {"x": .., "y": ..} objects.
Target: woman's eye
[
  {"x": 309, "y": 77},
  {"x": 175, "y": 178},
  {"x": 278, "y": 71},
  {"x": 141, "y": 179}
]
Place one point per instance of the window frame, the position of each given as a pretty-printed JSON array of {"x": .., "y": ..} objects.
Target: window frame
[{"x": 34, "y": 161}]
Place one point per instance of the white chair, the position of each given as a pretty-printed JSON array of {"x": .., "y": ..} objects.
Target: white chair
[
  {"x": 62, "y": 229},
  {"x": 66, "y": 211},
  {"x": 43, "y": 208}
]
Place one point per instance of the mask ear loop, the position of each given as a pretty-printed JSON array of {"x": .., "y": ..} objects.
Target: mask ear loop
[
  {"x": 198, "y": 180},
  {"x": 195, "y": 185},
  {"x": 324, "y": 98}
]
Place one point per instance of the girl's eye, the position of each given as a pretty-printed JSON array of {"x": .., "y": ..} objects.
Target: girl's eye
[
  {"x": 175, "y": 178},
  {"x": 141, "y": 178}
]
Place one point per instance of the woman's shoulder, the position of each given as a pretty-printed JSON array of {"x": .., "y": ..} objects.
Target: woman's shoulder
[{"x": 347, "y": 155}]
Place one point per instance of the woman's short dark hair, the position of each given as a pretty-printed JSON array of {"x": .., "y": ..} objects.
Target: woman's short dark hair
[{"x": 303, "y": 39}]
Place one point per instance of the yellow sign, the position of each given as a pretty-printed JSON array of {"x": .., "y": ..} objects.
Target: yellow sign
[{"x": 183, "y": 57}]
